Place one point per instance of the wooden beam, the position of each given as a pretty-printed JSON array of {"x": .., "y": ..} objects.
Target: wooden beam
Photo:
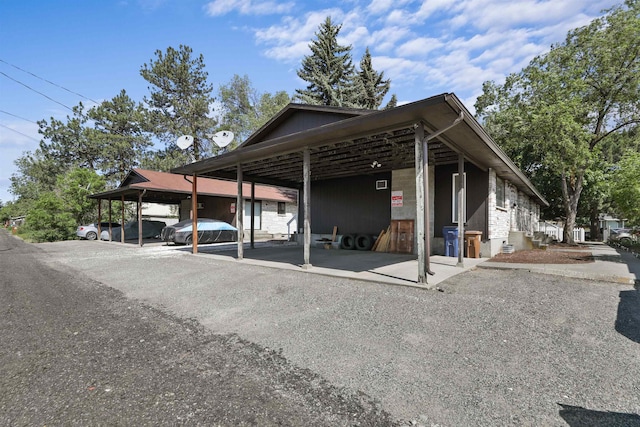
[
  {"x": 461, "y": 209},
  {"x": 306, "y": 167},
  {"x": 253, "y": 213},
  {"x": 140, "y": 193},
  {"x": 240, "y": 213},
  {"x": 194, "y": 214},
  {"x": 122, "y": 222},
  {"x": 421, "y": 203}
]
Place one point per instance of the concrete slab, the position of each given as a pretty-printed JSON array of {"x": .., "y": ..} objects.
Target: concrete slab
[{"x": 396, "y": 269}]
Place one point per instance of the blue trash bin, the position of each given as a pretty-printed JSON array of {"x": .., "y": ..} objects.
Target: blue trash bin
[{"x": 450, "y": 234}]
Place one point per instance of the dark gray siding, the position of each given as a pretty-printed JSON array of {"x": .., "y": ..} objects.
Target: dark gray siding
[
  {"x": 477, "y": 193},
  {"x": 353, "y": 204},
  {"x": 303, "y": 120}
]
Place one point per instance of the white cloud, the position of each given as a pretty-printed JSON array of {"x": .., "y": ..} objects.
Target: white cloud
[
  {"x": 247, "y": 7},
  {"x": 419, "y": 47}
]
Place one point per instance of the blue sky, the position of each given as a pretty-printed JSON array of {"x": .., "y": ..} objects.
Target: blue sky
[{"x": 96, "y": 48}]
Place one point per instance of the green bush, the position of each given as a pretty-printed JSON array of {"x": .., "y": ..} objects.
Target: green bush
[{"x": 49, "y": 221}]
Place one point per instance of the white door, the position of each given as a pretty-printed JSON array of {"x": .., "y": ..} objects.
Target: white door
[{"x": 257, "y": 225}]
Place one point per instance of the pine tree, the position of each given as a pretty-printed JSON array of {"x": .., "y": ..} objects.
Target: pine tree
[
  {"x": 329, "y": 70},
  {"x": 372, "y": 85}
]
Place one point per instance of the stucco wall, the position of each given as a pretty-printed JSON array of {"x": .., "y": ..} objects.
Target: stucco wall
[{"x": 405, "y": 180}]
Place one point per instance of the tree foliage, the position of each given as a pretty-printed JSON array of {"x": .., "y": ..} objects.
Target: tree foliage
[
  {"x": 245, "y": 109},
  {"x": 333, "y": 79},
  {"x": 49, "y": 220},
  {"x": 118, "y": 129},
  {"x": 555, "y": 115},
  {"x": 180, "y": 100},
  {"x": 626, "y": 187}
]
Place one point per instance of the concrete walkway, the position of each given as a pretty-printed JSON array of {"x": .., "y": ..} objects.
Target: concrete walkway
[{"x": 611, "y": 265}]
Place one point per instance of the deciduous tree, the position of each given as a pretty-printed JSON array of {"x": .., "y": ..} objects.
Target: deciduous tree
[{"x": 557, "y": 113}]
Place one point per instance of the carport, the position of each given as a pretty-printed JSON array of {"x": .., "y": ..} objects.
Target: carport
[
  {"x": 138, "y": 193},
  {"x": 431, "y": 132}
]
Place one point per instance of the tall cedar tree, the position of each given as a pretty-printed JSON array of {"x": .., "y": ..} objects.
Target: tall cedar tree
[
  {"x": 329, "y": 70},
  {"x": 180, "y": 99}
]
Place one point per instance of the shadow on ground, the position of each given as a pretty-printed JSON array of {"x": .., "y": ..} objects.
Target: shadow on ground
[
  {"x": 628, "y": 319},
  {"x": 577, "y": 416},
  {"x": 339, "y": 259}
]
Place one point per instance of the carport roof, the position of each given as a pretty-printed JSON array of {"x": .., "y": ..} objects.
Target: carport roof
[
  {"x": 164, "y": 187},
  {"x": 348, "y": 147}
]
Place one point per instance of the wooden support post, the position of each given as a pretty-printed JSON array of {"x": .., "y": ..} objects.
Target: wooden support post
[
  {"x": 122, "y": 222},
  {"x": 253, "y": 213},
  {"x": 194, "y": 214},
  {"x": 306, "y": 173},
  {"x": 99, "y": 217},
  {"x": 461, "y": 209},
  {"x": 139, "y": 219},
  {"x": 422, "y": 212},
  {"x": 110, "y": 221},
  {"x": 240, "y": 214}
]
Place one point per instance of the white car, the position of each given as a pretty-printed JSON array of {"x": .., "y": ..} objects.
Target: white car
[{"x": 90, "y": 231}]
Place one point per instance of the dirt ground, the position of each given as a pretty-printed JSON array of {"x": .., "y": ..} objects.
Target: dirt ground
[{"x": 554, "y": 254}]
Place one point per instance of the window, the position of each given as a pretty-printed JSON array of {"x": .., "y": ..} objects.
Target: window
[
  {"x": 500, "y": 192},
  {"x": 454, "y": 198},
  {"x": 282, "y": 209}
]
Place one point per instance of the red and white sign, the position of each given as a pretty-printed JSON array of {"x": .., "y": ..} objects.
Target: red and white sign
[
  {"x": 396, "y": 199},
  {"x": 232, "y": 208}
]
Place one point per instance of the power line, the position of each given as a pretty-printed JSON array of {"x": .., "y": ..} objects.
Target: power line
[
  {"x": 40, "y": 93},
  {"x": 50, "y": 82},
  {"x": 16, "y": 131},
  {"x": 6, "y": 112}
]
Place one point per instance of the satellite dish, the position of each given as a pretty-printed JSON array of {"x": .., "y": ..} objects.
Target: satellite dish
[
  {"x": 222, "y": 138},
  {"x": 185, "y": 141}
]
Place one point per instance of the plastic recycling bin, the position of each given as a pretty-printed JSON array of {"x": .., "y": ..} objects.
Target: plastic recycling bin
[
  {"x": 472, "y": 237},
  {"x": 450, "y": 234}
]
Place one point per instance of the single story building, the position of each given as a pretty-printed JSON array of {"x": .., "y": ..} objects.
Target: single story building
[
  {"x": 275, "y": 208},
  {"x": 363, "y": 171}
]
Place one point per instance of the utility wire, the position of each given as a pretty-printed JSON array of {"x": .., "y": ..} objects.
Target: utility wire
[
  {"x": 50, "y": 82},
  {"x": 40, "y": 93},
  {"x": 30, "y": 121},
  {"x": 16, "y": 131}
]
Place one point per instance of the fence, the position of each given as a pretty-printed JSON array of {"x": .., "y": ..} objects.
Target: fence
[{"x": 556, "y": 231}]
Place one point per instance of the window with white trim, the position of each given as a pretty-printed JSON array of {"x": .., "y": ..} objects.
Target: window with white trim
[{"x": 500, "y": 192}]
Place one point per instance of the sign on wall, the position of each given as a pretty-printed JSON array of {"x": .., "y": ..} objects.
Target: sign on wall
[
  {"x": 232, "y": 208},
  {"x": 396, "y": 199}
]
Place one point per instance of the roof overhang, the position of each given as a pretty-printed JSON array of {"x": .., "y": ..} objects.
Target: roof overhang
[{"x": 348, "y": 148}]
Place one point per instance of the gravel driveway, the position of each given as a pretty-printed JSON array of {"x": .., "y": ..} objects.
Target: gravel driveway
[{"x": 494, "y": 348}]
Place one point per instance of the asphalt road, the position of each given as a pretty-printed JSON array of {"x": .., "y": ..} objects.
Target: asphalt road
[
  {"x": 75, "y": 352},
  {"x": 494, "y": 348}
]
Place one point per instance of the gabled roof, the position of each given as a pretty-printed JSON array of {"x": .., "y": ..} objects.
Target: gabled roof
[
  {"x": 348, "y": 147},
  {"x": 165, "y": 187},
  {"x": 298, "y": 117}
]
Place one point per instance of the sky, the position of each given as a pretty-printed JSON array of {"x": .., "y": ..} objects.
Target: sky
[{"x": 57, "y": 53}]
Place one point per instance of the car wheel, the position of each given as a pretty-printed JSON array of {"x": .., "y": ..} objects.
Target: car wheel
[
  {"x": 625, "y": 241},
  {"x": 188, "y": 240},
  {"x": 91, "y": 235}
]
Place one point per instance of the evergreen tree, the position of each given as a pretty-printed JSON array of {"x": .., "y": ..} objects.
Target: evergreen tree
[
  {"x": 371, "y": 84},
  {"x": 180, "y": 99},
  {"x": 118, "y": 129},
  {"x": 329, "y": 70}
]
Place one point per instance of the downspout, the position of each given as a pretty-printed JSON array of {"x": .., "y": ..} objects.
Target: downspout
[{"x": 425, "y": 160}]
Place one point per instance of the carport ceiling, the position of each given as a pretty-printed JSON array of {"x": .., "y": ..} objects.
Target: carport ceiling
[{"x": 391, "y": 150}]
